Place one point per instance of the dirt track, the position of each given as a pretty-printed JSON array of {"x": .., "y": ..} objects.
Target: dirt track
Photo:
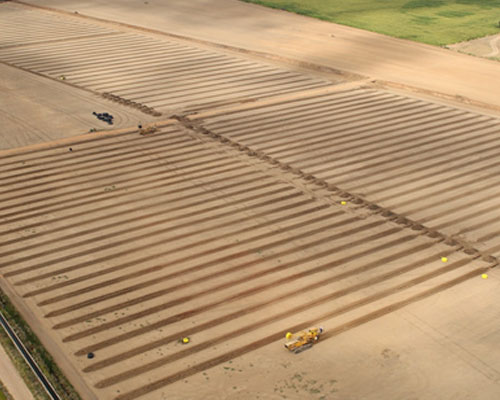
[
  {"x": 11, "y": 379},
  {"x": 227, "y": 225},
  {"x": 482, "y": 47}
]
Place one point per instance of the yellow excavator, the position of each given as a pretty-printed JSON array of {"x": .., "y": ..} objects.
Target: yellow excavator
[{"x": 297, "y": 342}]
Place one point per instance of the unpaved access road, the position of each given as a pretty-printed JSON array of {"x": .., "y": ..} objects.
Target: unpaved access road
[
  {"x": 11, "y": 378},
  {"x": 255, "y": 28},
  {"x": 483, "y": 47}
]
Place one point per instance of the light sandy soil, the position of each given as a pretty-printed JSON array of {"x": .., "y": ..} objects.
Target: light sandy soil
[
  {"x": 34, "y": 109},
  {"x": 284, "y": 34},
  {"x": 169, "y": 76},
  {"x": 227, "y": 223},
  {"x": 488, "y": 46},
  {"x": 433, "y": 164},
  {"x": 183, "y": 235},
  {"x": 11, "y": 378}
]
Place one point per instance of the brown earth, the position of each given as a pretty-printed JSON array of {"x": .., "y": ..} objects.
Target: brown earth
[{"x": 226, "y": 223}]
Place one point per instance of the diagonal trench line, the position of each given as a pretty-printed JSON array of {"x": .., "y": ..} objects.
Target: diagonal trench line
[
  {"x": 118, "y": 147},
  {"x": 59, "y": 145},
  {"x": 197, "y": 126},
  {"x": 129, "y": 156},
  {"x": 190, "y": 172},
  {"x": 226, "y": 318},
  {"x": 107, "y": 246},
  {"x": 107, "y": 224},
  {"x": 119, "y": 267},
  {"x": 281, "y": 267},
  {"x": 129, "y": 229},
  {"x": 74, "y": 38},
  {"x": 412, "y": 141},
  {"x": 462, "y": 174},
  {"x": 159, "y": 267},
  {"x": 161, "y": 172},
  {"x": 277, "y": 335},
  {"x": 488, "y": 133},
  {"x": 141, "y": 273},
  {"x": 321, "y": 268}
]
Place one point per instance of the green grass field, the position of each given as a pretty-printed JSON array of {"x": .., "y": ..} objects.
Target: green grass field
[
  {"x": 437, "y": 22},
  {"x": 4, "y": 393}
]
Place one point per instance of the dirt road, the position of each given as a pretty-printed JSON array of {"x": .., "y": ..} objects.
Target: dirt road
[{"x": 11, "y": 378}]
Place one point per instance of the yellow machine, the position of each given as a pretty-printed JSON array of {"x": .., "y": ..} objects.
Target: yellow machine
[{"x": 297, "y": 342}]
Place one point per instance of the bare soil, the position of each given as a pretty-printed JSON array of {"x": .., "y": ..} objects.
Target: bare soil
[
  {"x": 290, "y": 36},
  {"x": 11, "y": 378},
  {"x": 35, "y": 110},
  {"x": 273, "y": 199},
  {"x": 483, "y": 47}
]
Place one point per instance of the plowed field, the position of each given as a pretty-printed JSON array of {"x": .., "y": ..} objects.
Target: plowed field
[
  {"x": 433, "y": 164},
  {"x": 145, "y": 240},
  {"x": 271, "y": 199}
]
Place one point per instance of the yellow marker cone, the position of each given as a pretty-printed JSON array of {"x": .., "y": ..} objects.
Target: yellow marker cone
[
  {"x": 484, "y": 276},
  {"x": 185, "y": 340},
  {"x": 444, "y": 259},
  {"x": 343, "y": 203}
]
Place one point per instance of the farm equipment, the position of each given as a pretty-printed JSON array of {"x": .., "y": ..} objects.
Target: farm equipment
[
  {"x": 297, "y": 342},
  {"x": 104, "y": 117}
]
